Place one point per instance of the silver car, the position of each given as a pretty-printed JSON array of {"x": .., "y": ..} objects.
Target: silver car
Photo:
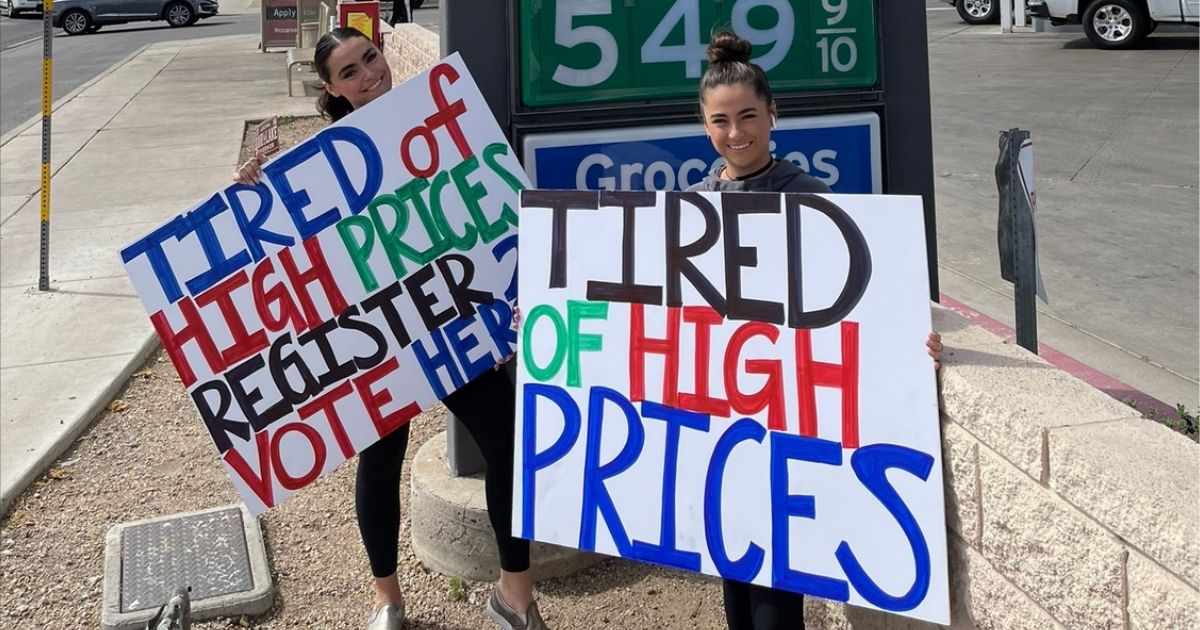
[{"x": 87, "y": 16}]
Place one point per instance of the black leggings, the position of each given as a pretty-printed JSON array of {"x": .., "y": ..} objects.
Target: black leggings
[
  {"x": 753, "y": 607},
  {"x": 486, "y": 406}
]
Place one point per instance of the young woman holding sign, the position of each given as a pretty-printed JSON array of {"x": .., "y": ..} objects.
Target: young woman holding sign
[
  {"x": 739, "y": 113},
  {"x": 354, "y": 73}
]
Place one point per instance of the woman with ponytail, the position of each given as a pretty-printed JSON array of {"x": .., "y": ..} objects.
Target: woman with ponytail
[
  {"x": 739, "y": 111},
  {"x": 332, "y": 102},
  {"x": 354, "y": 73}
]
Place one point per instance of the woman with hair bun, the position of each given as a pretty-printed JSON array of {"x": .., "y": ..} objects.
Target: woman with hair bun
[
  {"x": 354, "y": 73},
  {"x": 739, "y": 111}
]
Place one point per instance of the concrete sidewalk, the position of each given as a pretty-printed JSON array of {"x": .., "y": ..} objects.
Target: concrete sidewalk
[{"x": 132, "y": 148}]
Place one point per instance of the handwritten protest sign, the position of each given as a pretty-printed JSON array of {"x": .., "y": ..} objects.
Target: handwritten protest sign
[
  {"x": 367, "y": 276},
  {"x": 734, "y": 384}
]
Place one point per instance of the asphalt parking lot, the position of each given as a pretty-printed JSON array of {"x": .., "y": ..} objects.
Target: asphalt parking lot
[{"x": 1116, "y": 160}]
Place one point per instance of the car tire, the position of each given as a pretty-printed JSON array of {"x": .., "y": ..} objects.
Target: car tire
[
  {"x": 10, "y": 10},
  {"x": 179, "y": 14},
  {"x": 76, "y": 22},
  {"x": 1115, "y": 24},
  {"x": 978, "y": 11}
]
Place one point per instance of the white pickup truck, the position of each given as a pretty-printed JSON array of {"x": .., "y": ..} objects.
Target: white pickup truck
[{"x": 1117, "y": 23}]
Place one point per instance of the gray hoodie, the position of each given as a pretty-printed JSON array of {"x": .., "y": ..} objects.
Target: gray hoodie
[{"x": 784, "y": 177}]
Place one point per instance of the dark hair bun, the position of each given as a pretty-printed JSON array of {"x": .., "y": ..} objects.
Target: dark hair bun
[{"x": 726, "y": 46}]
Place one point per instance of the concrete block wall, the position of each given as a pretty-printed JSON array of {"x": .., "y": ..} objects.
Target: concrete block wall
[
  {"x": 1065, "y": 508},
  {"x": 410, "y": 49}
]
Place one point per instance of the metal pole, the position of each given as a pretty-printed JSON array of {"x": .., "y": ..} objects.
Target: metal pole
[
  {"x": 47, "y": 104},
  {"x": 908, "y": 130},
  {"x": 1024, "y": 254},
  {"x": 469, "y": 27},
  {"x": 463, "y": 457}
]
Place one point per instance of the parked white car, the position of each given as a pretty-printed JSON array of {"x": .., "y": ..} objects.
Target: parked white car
[
  {"x": 13, "y": 8},
  {"x": 1117, "y": 23}
]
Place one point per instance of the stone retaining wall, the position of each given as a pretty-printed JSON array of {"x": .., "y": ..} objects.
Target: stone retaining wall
[
  {"x": 1066, "y": 509},
  {"x": 410, "y": 49}
]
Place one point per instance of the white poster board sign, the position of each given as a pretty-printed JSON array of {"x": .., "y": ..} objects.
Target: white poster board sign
[
  {"x": 734, "y": 384},
  {"x": 368, "y": 275}
]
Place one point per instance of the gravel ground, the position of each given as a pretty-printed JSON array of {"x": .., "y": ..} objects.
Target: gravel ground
[{"x": 149, "y": 455}]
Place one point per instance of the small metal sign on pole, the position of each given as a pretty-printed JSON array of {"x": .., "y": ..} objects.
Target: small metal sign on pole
[
  {"x": 47, "y": 105},
  {"x": 1017, "y": 231}
]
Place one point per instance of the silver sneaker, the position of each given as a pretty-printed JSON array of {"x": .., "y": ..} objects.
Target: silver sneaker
[
  {"x": 509, "y": 619},
  {"x": 387, "y": 617}
]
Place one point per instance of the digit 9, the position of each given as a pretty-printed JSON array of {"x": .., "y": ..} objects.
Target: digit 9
[
  {"x": 780, "y": 35},
  {"x": 836, "y": 9}
]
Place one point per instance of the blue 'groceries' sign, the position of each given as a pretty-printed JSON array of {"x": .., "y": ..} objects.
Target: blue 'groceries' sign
[{"x": 841, "y": 150}]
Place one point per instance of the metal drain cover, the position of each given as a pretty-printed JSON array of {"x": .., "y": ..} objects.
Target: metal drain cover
[{"x": 219, "y": 553}]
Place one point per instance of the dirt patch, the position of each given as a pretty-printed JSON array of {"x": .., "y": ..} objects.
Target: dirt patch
[{"x": 149, "y": 455}]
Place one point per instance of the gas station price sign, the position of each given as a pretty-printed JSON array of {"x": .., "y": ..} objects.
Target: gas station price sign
[{"x": 594, "y": 51}]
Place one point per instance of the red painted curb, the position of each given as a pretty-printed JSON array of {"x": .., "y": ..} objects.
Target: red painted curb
[{"x": 1141, "y": 402}]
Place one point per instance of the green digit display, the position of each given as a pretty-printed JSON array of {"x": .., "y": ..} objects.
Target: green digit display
[{"x": 593, "y": 51}]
